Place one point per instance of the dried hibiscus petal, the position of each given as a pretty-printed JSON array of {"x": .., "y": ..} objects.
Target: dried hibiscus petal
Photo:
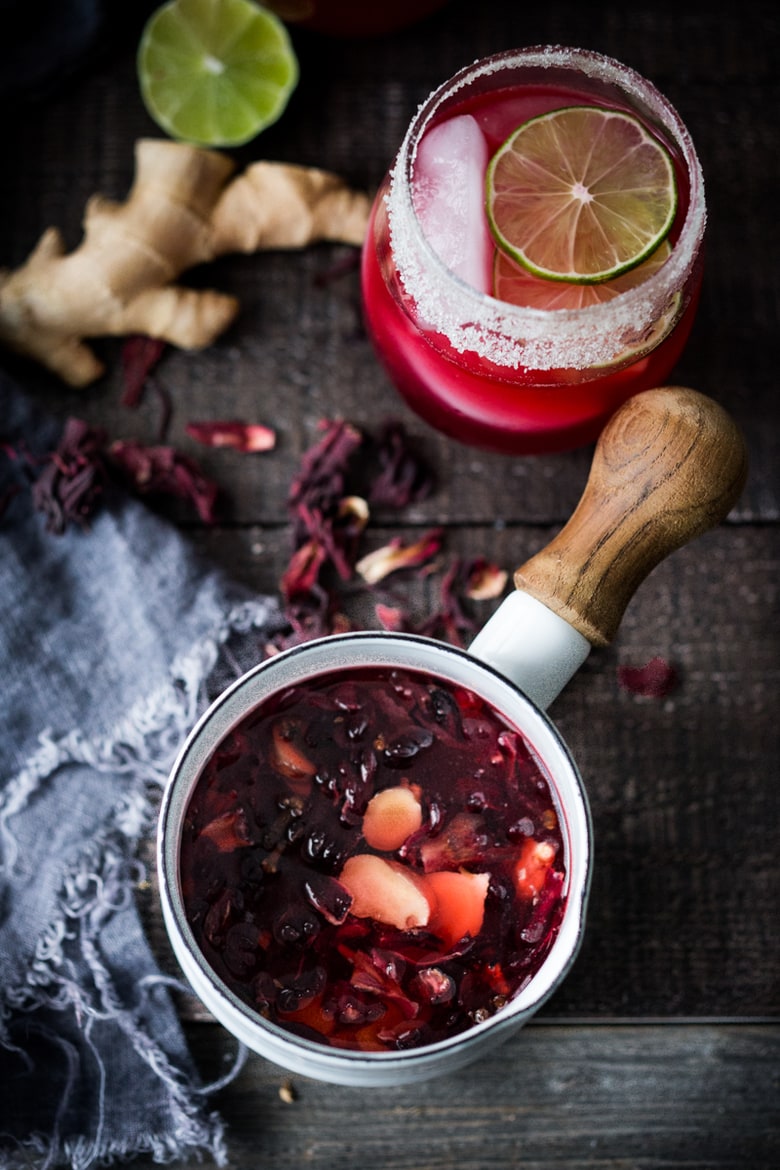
[
  {"x": 484, "y": 581},
  {"x": 72, "y": 478},
  {"x": 320, "y": 482},
  {"x": 140, "y": 355},
  {"x": 240, "y": 436},
  {"x": 654, "y": 680},
  {"x": 377, "y": 565},
  {"x": 390, "y": 617},
  {"x": 403, "y": 476},
  {"x": 303, "y": 569},
  {"x": 450, "y": 622}
]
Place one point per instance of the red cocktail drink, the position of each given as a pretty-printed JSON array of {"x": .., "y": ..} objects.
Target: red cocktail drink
[
  {"x": 374, "y": 860},
  {"x": 521, "y": 377}
]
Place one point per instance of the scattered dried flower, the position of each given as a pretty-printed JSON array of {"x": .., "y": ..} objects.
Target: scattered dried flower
[
  {"x": 303, "y": 569},
  {"x": 287, "y": 1093},
  {"x": 240, "y": 436},
  {"x": 484, "y": 581},
  {"x": 140, "y": 355},
  {"x": 165, "y": 471},
  {"x": 377, "y": 565},
  {"x": 328, "y": 521},
  {"x": 320, "y": 481},
  {"x": 403, "y": 477},
  {"x": 317, "y": 492},
  {"x": 390, "y": 617},
  {"x": 354, "y": 513},
  {"x": 72, "y": 477},
  {"x": 451, "y": 622},
  {"x": 654, "y": 680}
]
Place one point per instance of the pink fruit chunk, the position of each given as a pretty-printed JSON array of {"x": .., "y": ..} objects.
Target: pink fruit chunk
[
  {"x": 289, "y": 760},
  {"x": 228, "y": 831},
  {"x": 386, "y": 891},
  {"x": 460, "y": 904},
  {"x": 391, "y": 816},
  {"x": 532, "y": 867}
]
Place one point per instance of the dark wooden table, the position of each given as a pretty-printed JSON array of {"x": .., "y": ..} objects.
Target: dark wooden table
[{"x": 663, "y": 1047}]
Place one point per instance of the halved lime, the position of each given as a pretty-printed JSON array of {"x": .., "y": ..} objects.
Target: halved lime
[
  {"x": 215, "y": 72},
  {"x": 581, "y": 194}
]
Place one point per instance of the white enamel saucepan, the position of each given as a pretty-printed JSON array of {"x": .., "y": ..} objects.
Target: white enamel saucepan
[{"x": 669, "y": 465}]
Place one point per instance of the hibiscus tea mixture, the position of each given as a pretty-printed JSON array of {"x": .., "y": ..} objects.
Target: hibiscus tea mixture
[{"x": 373, "y": 860}]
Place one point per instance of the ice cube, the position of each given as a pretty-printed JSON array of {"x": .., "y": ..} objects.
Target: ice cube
[{"x": 449, "y": 197}]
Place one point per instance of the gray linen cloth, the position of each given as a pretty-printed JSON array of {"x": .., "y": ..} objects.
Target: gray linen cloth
[{"x": 112, "y": 640}]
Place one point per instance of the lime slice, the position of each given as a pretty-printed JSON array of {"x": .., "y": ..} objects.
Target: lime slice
[
  {"x": 581, "y": 194},
  {"x": 215, "y": 72},
  {"x": 517, "y": 286}
]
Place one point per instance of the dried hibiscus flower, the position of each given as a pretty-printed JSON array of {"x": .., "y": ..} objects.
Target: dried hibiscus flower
[
  {"x": 451, "y": 622},
  {"x": 165, "y": 471},
  {"x": 328, "y": 521},
  {"x": 403, "y": 477},
  {"x": 328, "y": 516},
  {"x": 318, "y": 494},
  {"x": 654, "y": 680},
  {"x": 72, "y": 477}
]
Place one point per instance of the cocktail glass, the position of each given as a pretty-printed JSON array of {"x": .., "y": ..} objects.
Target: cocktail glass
[{"x": 526, "y": 380}]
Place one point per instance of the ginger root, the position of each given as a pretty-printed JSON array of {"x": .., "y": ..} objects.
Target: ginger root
[{"x": 184, "y": 209}]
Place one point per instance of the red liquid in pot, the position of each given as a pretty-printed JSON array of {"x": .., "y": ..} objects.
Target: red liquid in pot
[{"x": 311, "y": 907}]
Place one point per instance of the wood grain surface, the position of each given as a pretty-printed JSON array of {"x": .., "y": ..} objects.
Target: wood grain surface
[{"x": 661, "y": 1048}]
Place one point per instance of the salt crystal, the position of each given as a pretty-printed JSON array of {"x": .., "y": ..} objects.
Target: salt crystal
[{"x": 449, "y": 198}]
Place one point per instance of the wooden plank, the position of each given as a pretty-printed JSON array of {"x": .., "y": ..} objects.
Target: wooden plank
[{"x": 554, "y": 1097}]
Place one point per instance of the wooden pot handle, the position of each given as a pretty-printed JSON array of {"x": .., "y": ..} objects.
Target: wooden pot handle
[{"x": 670, "y": 464}]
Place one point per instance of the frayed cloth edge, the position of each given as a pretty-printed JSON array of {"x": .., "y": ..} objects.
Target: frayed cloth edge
[{"x": 142, "y": 747}]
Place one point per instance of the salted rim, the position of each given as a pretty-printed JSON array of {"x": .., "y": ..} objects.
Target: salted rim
[{"x": 543, "y": 339}]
